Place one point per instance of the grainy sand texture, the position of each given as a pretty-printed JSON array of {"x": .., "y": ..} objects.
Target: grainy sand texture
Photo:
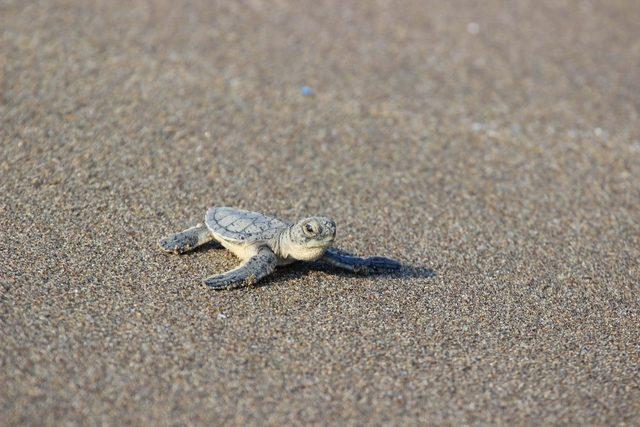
[{"x": 493, "y": 147}]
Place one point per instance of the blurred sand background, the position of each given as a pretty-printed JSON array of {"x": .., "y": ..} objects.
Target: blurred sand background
[{"x": 495, "y": 143}]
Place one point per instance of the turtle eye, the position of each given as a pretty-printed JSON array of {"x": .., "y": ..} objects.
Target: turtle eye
[{"x": 309, "y": 229}]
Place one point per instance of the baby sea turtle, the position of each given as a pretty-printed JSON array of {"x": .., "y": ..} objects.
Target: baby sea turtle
[{"x": 264, "y": 242}]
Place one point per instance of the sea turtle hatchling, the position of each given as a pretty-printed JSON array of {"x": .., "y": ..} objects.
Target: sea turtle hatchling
[{"x": 264, "y": 242}]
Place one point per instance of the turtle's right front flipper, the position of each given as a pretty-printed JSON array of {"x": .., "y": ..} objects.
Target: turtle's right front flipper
[
  {"x": 248, "y": 273},
  {"x": 186, "y": 240}
]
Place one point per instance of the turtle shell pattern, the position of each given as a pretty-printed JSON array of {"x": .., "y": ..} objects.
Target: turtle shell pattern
[{"x": 237, "y": 225}]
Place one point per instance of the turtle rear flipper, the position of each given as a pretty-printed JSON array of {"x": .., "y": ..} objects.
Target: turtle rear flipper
[{"x": 186, "y": 240}]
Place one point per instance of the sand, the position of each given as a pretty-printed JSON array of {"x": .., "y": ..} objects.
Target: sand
[{"x": 492, "y": 147}]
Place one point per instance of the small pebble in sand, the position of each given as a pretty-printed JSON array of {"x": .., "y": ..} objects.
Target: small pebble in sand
[
  {"x": 477, "y": 127},
  {"x": 473, "y": 28}
]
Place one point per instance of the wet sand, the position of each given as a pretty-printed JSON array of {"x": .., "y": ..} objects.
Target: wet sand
[{"x": 493, "y": 148}]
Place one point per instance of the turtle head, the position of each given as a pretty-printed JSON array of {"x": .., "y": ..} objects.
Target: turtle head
[{"x": 310, "y": 237}]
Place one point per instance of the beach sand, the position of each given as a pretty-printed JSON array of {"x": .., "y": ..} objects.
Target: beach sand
[{"x": 492, "y": 147}]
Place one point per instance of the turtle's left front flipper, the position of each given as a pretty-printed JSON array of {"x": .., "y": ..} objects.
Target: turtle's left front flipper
[
  {"x": 371, "y": 265},
  {"x": 248, "y": 273}
]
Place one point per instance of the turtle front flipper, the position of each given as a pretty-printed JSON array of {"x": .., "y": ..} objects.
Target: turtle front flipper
[
  {"x": 248, "y": 273},
  {"x": 186, "y": 240},
  {"x": 354, "y": 264}
]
